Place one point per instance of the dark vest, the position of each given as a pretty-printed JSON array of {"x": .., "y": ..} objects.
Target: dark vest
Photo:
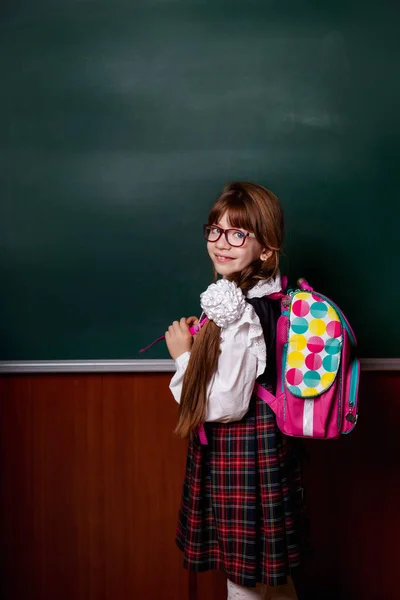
[{"x": 268, "y": 311}]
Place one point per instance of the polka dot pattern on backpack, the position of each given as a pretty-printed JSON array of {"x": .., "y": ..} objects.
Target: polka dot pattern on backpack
[{"x": 314, "y": 348}]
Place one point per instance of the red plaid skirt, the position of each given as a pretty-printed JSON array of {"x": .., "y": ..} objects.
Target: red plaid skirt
[{"x": 241, "y": 501}]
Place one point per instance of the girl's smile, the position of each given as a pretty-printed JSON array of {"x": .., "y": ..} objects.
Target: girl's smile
[{"x": 222, "y": 259}]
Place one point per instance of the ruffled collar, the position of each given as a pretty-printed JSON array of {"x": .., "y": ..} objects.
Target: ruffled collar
[{"x": 265, "y": 287}]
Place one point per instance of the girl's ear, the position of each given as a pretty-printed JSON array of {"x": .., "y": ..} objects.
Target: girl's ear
[{"x": 265, "y": 254}]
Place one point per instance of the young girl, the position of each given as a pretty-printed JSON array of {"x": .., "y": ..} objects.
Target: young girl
[{"x": 242, "y": 487}]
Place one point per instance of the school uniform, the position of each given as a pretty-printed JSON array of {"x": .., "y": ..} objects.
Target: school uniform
[{"x": 241, "y": 499}]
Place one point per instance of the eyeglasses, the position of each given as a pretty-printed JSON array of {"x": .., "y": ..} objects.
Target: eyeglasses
[{"x": 234, "y": 237}]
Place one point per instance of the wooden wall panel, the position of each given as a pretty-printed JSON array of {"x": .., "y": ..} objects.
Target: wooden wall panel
[
  {"x": 353, "y": 490},
  {"x": 91, "y": 477}
]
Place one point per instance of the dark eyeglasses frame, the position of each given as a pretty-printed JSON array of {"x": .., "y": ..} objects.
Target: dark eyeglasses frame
[{"x": 225, "y": 232}]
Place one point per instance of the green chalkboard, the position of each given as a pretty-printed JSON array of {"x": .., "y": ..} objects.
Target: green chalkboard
[{"x": 122, "y": 119}]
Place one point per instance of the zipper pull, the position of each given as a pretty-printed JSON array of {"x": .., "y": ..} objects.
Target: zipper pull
[{"x": 351, "y": 418}]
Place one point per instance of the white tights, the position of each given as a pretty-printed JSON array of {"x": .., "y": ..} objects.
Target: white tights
[{"x": 262, "y": 592}]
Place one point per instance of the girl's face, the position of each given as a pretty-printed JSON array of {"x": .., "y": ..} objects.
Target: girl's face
[{"x": 229, "y": 259}]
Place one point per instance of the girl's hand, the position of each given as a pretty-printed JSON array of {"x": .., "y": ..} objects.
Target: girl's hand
[
  {"x": 178, "y": 337},
  {"x": 192, "y": 321}
]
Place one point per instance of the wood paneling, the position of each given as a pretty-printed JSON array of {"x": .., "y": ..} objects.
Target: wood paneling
[
  {"x": 353, "y": 491},
  {"x": 91, "y": 478}
]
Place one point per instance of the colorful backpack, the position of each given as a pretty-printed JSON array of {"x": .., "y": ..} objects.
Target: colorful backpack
[{"x": 318, "y": 371}]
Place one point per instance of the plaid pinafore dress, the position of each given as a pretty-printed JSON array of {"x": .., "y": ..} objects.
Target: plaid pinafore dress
[{"x": 241, "y": 500}]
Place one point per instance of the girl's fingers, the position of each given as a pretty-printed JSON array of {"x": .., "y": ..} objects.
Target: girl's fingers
[
  {"x": 179, "y": 328},
  {"x": 170, "y": 330},
  {"x": 183, "y": 325},
  {"x": 185, "y": 329},
  {"x": 190, "y": 321},
  {"x": 175, "y": 328}
]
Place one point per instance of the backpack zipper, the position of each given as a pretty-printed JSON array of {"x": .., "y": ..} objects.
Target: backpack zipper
[
  {"x": 286, "y": 304},
  {"x": 284, "y": 358},
  {"x": 339, "y": 421},
  {"x": 355, "y": 370},
  {"x": 354, "y": 381}
]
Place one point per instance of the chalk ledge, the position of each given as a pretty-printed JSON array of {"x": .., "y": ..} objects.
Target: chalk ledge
[{"x": 142, "y": 366}]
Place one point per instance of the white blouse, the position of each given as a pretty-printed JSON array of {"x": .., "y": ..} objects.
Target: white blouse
[{"x": 241, "y": 361}]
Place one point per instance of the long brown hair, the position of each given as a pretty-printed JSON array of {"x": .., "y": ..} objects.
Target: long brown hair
[{"x": 255, "y": 209}]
